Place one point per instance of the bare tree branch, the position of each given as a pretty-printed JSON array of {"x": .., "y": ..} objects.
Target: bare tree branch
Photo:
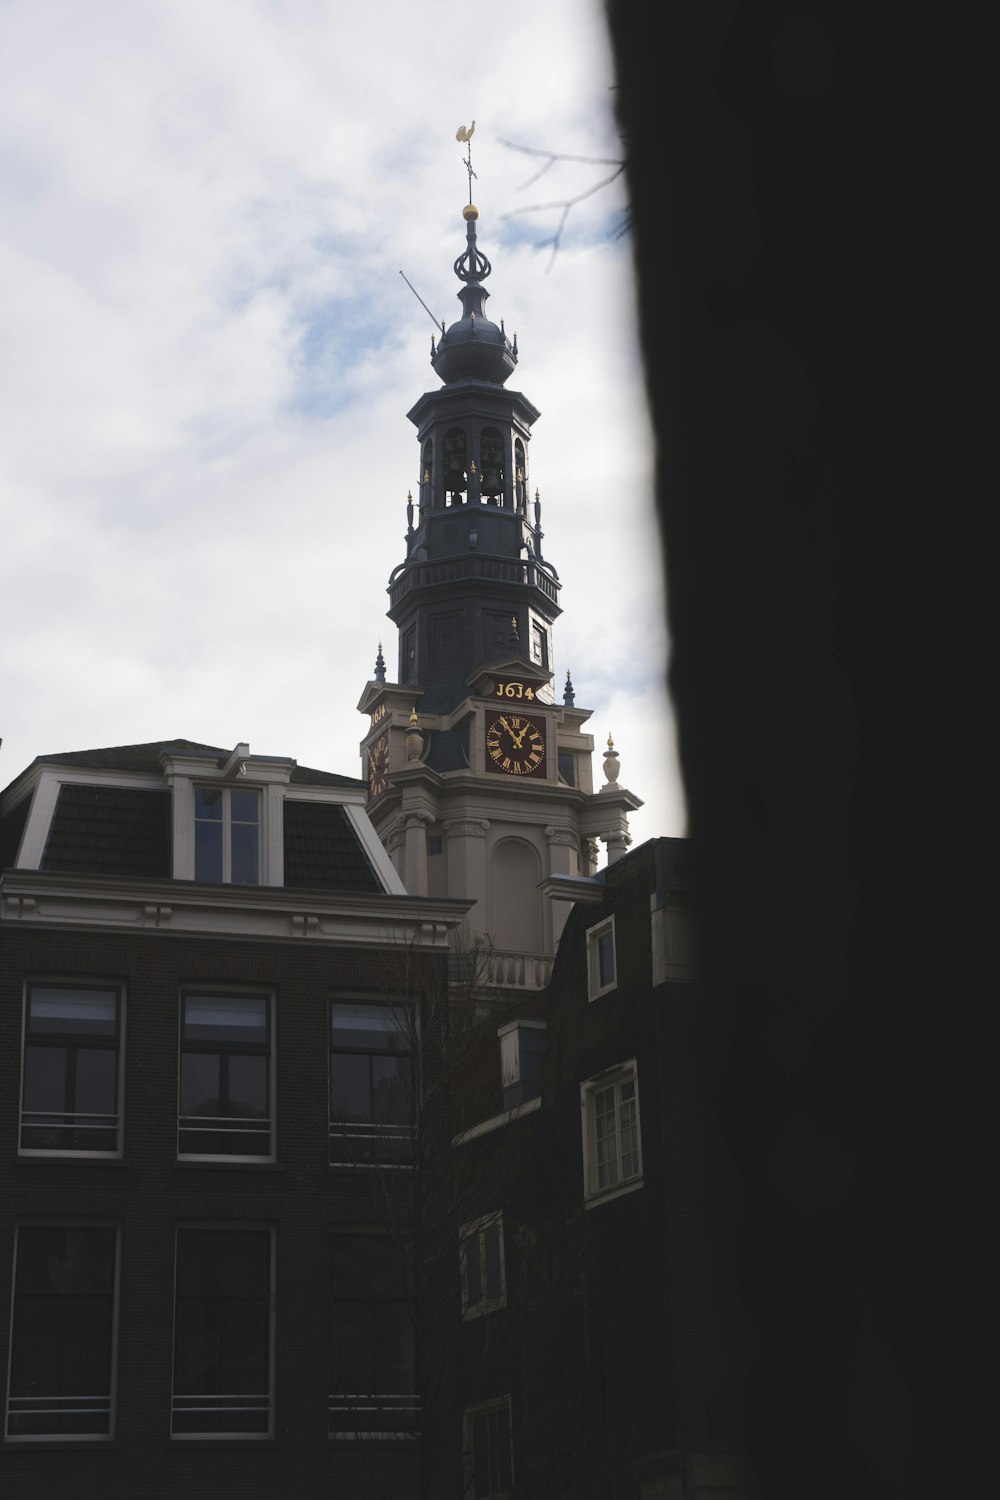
[{"x": 566, "y": 205}]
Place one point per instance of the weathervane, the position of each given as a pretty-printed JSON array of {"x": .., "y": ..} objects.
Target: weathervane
[{"x": 465, "y": 134}]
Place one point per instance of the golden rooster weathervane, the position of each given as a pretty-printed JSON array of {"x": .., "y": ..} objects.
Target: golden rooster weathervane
[{"x": 464, "y": 133}]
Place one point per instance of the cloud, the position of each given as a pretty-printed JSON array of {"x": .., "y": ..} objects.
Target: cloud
[{"x": 209, "y": 354}]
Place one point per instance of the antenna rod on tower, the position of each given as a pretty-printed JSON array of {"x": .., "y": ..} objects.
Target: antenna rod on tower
[{"x": 423, "y": 304}]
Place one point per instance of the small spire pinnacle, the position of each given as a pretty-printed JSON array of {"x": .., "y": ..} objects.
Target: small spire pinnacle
[
  {"x": 380, "y": 665},
  {"x": 569, "y": 697},
  {"x": 464, "y": 133}
]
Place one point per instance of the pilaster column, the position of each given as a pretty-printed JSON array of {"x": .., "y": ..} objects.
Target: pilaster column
[
  {"x": 617, "y": 842},
  {"x": 415, "y": 871},
  {"x": 564, "y": 859},
  {"x": 467, "y": 865}
]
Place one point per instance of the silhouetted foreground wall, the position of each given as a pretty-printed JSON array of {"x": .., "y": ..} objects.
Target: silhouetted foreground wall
[{"x": 756, "y": 164}]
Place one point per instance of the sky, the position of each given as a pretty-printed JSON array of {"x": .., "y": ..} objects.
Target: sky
[{"x": 207, "y": 354}]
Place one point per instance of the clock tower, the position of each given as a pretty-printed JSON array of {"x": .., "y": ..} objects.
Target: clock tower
[{"x": 480, "y": 782}]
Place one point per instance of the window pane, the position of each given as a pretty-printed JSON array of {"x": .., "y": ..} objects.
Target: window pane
[
  {"x": 244, "y": 807},
  {"x": 96, "y": 1081},
  {"x": 491, "y": 1253},
  {"x": 222, "y": 1332},
  {"x": 378, "y": 1028},
  {"x": 208, "y": 804},
  {"x": 245, "y": 857},
  {"x": 247, "y": 1087},
  {"x": 606, "y": 958},
  {"x": 473, "y": 1269},
  {"x": 225, "y": 1018},
  {"x": 391, "y": 1090},
  {"x": 200, "y": 1084},
  {"x": 350, "y": 1087},
  {"x": 60, "y": 1370},
  {"x": 81, "y": 1012},
  {"x": 45, "y": 1079},
  {"x": 208, "y": 851}
]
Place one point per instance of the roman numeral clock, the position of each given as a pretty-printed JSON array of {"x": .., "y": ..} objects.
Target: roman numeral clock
[{"x": 515, "y": 744}]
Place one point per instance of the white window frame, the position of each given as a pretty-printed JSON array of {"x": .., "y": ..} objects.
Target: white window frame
[
  {"x": 594, "y": 935},
  {"x": 226, "y": 792},
  {"x": 340, "y": 1133},
  {"x": 89, "y": 982},
  {"x": 472, "y": 1241},
  {"x": 612, "y": 1078},
  {"x": 66, "y": 1437},
  {"x": 230, "y": 992},
  {"x": 502, "y": 1403},
  {"x": 232, "y": 1226}
]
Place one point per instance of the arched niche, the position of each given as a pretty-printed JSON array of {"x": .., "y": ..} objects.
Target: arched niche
[{"x": 515, "y": 900}]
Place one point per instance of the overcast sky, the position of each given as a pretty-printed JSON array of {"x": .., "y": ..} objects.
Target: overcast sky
[{"x": 207, "y": 354}]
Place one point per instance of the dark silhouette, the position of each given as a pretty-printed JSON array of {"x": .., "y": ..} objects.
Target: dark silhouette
[{"x": 762, "y": 195}]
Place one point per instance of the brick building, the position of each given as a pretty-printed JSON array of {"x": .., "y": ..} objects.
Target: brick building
[{"x": 211, "y": 984}]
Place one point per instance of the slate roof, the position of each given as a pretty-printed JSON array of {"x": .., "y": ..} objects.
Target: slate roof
[
  {"x": 322, "y": 851},
  {"x": 110, "y": 830},
  {"x": 447, "y": 750}
]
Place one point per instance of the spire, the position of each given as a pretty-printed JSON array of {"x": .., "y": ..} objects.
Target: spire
[
  {"x": 569, "y": 697},
  {"x": 380, "y": 665},
  {"x": 473, "y": 347}
]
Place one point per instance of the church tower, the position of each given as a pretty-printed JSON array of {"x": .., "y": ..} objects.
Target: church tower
[{"x": 480, "y": 782}]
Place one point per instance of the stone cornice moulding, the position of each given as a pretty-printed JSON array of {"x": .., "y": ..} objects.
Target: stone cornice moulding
[{"x": 262, "y": 913}]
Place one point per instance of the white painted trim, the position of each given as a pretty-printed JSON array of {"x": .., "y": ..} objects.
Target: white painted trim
[
  {"x": 607, "y": 1078},
  {"x": 495, "y": 1121},
  {"x": 594, "y": 934},
  {"x": 40, "y": 900},
  {"x": 372, "y": 845}
]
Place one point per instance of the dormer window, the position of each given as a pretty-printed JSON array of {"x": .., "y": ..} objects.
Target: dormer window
[{"x": 227, "y": 835}]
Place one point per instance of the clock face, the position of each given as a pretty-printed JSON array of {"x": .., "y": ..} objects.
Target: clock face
[
  {"x": 378, "y": 765},
  {"x": 515, "y": 745}
]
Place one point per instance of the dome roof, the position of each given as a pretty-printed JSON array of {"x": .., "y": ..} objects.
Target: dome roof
[{"x": 473, "y": 347}]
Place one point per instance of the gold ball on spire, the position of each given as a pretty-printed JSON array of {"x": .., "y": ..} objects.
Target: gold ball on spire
[{"x": 470, "y": 211}]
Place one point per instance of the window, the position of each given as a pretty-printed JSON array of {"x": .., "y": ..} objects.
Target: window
[
  {"x": 539, "y": 645},
  {"x": 522, "y": 1053},
  {"x": 223, "y": 1338},
  {"x": 484, "y": 1281},
  {"x": 489, "y": 1464},
  {"x": 63, "y": 1333},
  {"x": 601, "y": 968},
  {"x": 225, "y": 1077},
  {"x": 372, "y": 1369},
  {"x": 612, "y": 1154},
  {"x": 72, "y": 1070},
  {"x": 371, "y": 1078},
  {"x": 227, "y": 835}
]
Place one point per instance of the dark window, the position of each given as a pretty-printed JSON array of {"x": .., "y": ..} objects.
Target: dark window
[
  {"x": 567, "y": 767},
  {"x": 539, "y": 645},
  {"x": 491, "y": 464},
  {"x": 225, "y": 1076},
  {"x": 69, "y": 1098},
  {"x": 410, "y": 654},
  {"x": 455, "y": 469},
  {"x": 222, "y": 1333},
  {"x": 371, "y": 1076},
  {"x": 372, "y": 1374},
  {"x": 227, "y": 835},
  {"x": 435, "y": 843},
  {"x": 62, "y": 1335},
  {"x": 482, "y": 1266},
  {"x": 489, "y": 1468}
]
